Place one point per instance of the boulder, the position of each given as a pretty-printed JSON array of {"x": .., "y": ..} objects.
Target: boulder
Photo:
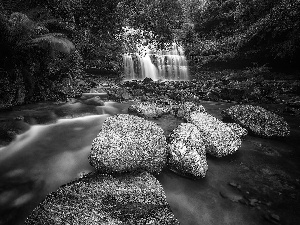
[
  {"x": 148, "y": 109},
  {"x": 257, "y": 120},
  {"x": 239, "y": 130},
  {"x": 219, "y": 138},
  {"x": 128, "y": 143},
  {"x": 97, "y": 101},
  {"x": 105, "y": 199},
  {"x": 186, "y": 108},
  {"x": 187, "y": 154},
  {"x": 147, "y": 80},
  {"x": 119, "y": 94}
]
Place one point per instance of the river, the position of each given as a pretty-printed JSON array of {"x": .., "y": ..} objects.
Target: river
[{"x": 257, "y": 185}]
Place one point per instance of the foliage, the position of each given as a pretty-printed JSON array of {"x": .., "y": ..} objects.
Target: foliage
[
  {"x": 158, "y": 19},
  {"x": 264, "y": 32},
  {"x": 28, "y": 55}
]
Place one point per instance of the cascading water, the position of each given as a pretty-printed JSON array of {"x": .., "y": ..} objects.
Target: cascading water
[{"x": 164, "y": 65}]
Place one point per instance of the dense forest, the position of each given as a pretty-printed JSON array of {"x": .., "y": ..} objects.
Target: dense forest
[{"x": 49, "y": 48}]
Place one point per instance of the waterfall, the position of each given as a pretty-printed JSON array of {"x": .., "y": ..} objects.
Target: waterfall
[{"x": 162, "y": 65}]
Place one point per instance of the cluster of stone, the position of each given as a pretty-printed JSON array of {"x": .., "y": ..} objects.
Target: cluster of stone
[
  {"x": 122, "y": 190},
  {"x": 219, "y": 138},
  {"x": 127, "y": 143},
  {"x": 186, "y": 108},
  {"x": 148, "y": 109},
  {"x": 136, "y": 198},
  {"x": 187, "y": 154},
  {"x": 257, "y": 120}
]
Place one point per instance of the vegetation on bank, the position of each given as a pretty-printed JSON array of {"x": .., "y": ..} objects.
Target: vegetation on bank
[
  {"x": 48, "y": 49},
  {"x": 238, "y": 33}
]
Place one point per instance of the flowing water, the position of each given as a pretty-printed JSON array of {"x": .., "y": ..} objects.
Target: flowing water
[
  {"x": 52, "y": 154},
  {"x": 164, "y": 65}
]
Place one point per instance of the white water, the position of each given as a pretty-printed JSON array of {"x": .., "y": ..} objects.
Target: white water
[{"x": 165, "y": 65}]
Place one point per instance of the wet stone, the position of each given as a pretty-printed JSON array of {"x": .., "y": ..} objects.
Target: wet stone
[
  {"x": 186, "y": 108},
  {"x": 187, "y": 154},
  {"x": 93, "y": 101},
  {"x": 239, "y": 130},
  {"x": 220, "y": 140},
  {"x": 104, "y": 199},
  {"x": 149, "y": 109},
  {"x": 258, "y": 120},
  {"x": 128, "y": 143},
  {"x": 231, "y": 196},
  {"x": 253, "y": 202}
]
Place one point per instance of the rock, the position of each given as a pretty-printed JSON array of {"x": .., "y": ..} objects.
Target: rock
[
  {"x": 231, "y": 196},
  {"x": 273, "y": 218},
  {"x": 220, "y": 140},
  {"x": 128, "y": 143},
  {"x": 148, "y": 109},
  {"x": 253, "y": 202},
  {"x": 97, "y": 90},
  {"x": 232, "y": 94},
  {"x": 233, "y": 184},
  {"x": 119, "y": 94},
  {"x": 258, "y": 120},
  {"x": 186, "y": 108},
  {"x": 240, "y": 131},
  {"x": 187, "y": 151},
  {"x": 93, "y": 101},
  {"x": 93, "y": 94},
  {"x": 11, "y": 128},
  {"x": 212, "y": 96},
  {"x": 147, "y": 80},
  {"x": 104, "y": 199}
]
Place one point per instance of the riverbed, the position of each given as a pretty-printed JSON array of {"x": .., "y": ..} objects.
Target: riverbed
[{"x": 257, "y": 185}]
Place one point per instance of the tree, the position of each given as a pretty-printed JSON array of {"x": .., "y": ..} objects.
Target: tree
[
  {"x": 158, "y": 17},
  {"x": 26, "y": 60}
]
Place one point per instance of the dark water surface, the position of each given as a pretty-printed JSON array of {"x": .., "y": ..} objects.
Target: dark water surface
[{"x": 257, "y": 185}]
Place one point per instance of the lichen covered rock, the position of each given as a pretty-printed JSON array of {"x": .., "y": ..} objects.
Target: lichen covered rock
[
  {"x": 257, "y": 120},
  {"x": 105, "y": 199},
  {"x": 128, "y": 143},
  {"x": 239, "y": 130},
  {"x": 186, "y": 108},
  {"x": 187, "y": 154},
  {"x": 219, "y": 138},
  {"x": 148, "y": 109}
]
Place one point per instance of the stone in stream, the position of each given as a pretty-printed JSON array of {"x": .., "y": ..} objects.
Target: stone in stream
[
  {"x": 257, "y": 120},
  {"x": 219, "y": 138},
  {"x": 104, "y": 199},
  {"x": 186, "y": 108},
  {"x": 127, "y": 143},
  {"x": 149, "y": 109},
  {"x": 239, "y": 130},
  {"x": 97, "y": 101},
  {"x": 187, "y": 154}
]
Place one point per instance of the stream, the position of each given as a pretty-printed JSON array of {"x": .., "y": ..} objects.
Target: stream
[{"x": 257, "y": 185}]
